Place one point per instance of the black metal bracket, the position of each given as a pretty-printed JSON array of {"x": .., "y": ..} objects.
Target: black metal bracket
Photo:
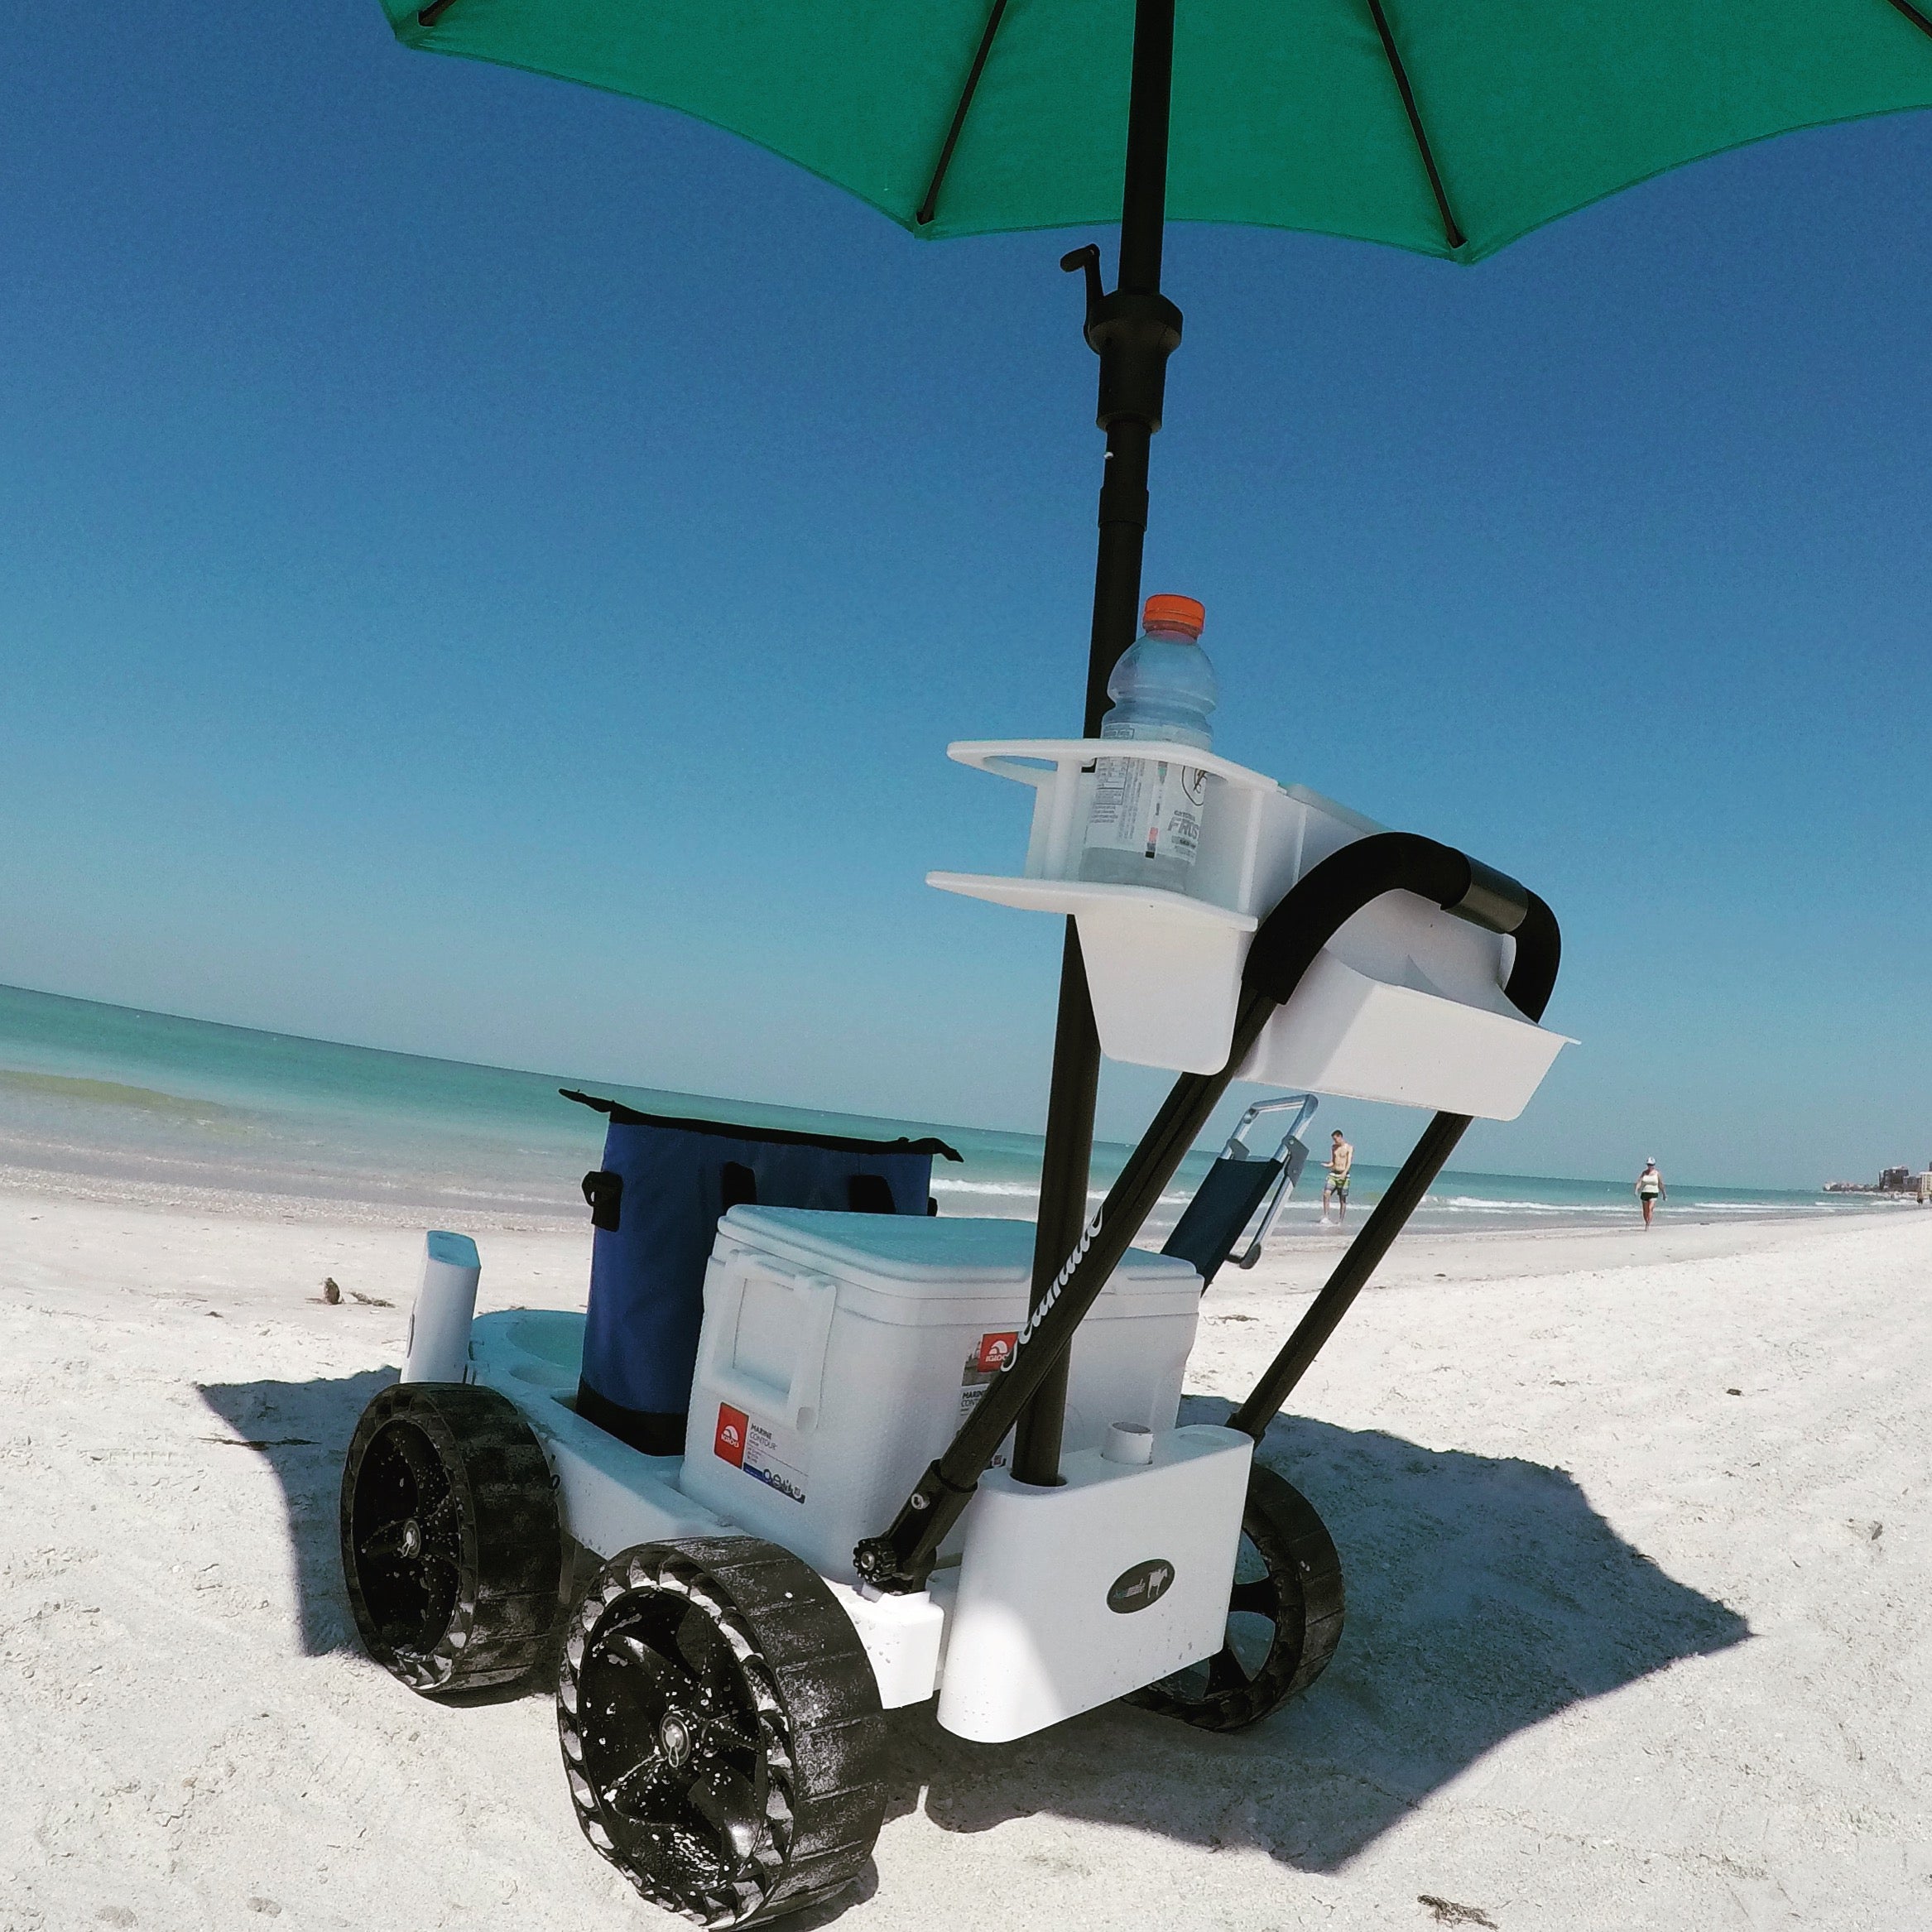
[
  {"x": 1287, "y": 944},
  {"x": 1133, "y": 335}
]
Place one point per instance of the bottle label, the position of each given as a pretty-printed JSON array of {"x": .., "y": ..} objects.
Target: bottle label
[{"x": 1148, "y": 807}]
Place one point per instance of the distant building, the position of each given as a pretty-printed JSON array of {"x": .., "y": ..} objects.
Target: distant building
[{"x": 1892, "y": 1180}]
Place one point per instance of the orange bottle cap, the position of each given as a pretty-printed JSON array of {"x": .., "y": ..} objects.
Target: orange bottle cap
[{"x": 1165, "y": 612}]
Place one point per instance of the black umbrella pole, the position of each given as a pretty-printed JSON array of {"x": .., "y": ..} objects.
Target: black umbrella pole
[
  {"x": 1133, "y": 331},
  {"x": 1066, "y": 1161},
  {"x": 1065, "y": 1165}
]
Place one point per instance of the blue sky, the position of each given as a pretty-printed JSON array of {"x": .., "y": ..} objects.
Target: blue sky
[{"x": 491, "y": 569}]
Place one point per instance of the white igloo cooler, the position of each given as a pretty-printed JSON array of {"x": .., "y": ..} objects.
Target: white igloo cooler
[{"x": 840, "y": 1353}]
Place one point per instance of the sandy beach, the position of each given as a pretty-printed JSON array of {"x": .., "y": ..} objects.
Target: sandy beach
[{"x": 1635, "y": 1532}]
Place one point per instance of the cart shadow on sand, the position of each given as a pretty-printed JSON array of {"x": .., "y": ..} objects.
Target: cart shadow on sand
[{"x": 1485, "y": 1595}]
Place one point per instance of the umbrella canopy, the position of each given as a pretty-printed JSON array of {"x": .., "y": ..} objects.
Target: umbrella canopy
[{"x": 1451, "y": 130}]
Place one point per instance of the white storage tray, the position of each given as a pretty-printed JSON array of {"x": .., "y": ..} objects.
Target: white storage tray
[
  {"x": 1405, "y": 1004},
  {"x": 1038, "y": 1632}
]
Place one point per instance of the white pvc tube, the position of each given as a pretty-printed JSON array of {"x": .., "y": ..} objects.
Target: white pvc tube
[{"x": 438, "y": 1349}]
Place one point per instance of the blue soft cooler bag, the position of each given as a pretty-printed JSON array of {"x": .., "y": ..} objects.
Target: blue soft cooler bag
[{"x": 655, "y": 1204}]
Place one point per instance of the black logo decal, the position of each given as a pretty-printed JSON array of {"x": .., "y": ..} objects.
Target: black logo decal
[{"x": 1145, "y": 1584}]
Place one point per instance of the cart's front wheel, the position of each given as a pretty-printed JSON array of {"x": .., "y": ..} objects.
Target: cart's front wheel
[
  {"x": 1284, "y": 1617},
  {"x": 721, "y": 1729},
  {"x": 450, "y": 1544}
]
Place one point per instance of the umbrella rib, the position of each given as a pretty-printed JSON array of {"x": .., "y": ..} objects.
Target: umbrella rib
[
  {"x": 1449, "y": 226},
  {"x": 430, "y": 15},
  {"x": 945, "y": 160},
  {"x": 1912, "y": 14}
]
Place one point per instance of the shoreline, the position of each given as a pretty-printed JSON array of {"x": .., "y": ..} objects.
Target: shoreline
[{"x": 419, "y": 1201}]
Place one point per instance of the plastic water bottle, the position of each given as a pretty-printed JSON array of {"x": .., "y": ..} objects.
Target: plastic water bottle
[{"x": 1144, "y": 825}]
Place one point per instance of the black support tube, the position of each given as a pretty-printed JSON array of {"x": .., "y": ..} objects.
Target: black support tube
[
  {"x": 1351, "y": 1276},
  {"x": 1531, "y": 980},
  {"x": 1283, "y": 949}
]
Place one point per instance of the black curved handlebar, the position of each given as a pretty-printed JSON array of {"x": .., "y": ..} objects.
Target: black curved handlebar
[{"x": 1332, "y": 892}]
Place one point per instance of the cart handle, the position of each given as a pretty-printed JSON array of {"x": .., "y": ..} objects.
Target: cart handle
[
  {"x": 1304, "y": 1106},
  {"x": 1310, "y": 914}
]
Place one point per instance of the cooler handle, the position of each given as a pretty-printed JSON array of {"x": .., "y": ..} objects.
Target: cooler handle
[{"x": 800, "y": 1398}]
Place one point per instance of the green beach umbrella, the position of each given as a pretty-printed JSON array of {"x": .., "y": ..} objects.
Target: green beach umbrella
[
  {"x": 1451, "y": 127},
  {"x": 1447, "y": 127}
]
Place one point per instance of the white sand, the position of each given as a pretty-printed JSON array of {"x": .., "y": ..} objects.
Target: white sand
[{"x": 1624, "y": 1650}]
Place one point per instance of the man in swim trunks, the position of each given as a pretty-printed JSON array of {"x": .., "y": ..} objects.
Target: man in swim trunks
[
  {"x": 1341, "y": 1159},
  {"x": 1649, "y": 1189}
]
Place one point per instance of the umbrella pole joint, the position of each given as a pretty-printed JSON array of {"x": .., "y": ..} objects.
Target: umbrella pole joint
[{"x": 1133, "y": 332}]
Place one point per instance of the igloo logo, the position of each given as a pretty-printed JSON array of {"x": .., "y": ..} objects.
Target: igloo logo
[
  {"x": 996, "y": 1351},
  {"x": 728, "y": 1444}
]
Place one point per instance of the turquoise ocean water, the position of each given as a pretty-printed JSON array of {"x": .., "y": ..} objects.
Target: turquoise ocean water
[{"x": 161, "y": 1107}]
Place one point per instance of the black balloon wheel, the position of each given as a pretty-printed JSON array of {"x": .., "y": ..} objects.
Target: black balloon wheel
[
  {"x": 677, "y": 1748},
  {"x": 405, "y": 1527},
  {"x": 1284, "y": 1617}
]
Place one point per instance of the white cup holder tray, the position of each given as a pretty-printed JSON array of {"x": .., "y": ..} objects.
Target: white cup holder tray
[{"x": 1405, "y": 1004}]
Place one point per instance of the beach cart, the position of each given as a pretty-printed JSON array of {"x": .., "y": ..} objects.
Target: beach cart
[{"x": 792, "y": 1459}]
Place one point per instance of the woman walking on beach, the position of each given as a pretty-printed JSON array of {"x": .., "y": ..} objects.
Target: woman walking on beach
[{"x": 1649, "y": 1189}]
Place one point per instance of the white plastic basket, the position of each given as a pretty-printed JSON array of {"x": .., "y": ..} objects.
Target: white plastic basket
[{"x": 1406, "y": 1004}]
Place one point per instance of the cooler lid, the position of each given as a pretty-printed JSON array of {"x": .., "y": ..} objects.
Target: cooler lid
[{"x": 920, "y": 1254}]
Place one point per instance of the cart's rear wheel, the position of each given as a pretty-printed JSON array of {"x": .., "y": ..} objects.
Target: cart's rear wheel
[
  {"x": 450, "y": 1543},
  {"x": 1284, "y": 1617},
  {"x": 721, "y": 1730}
]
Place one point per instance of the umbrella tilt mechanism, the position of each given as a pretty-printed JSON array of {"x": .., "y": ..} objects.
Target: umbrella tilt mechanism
[{"x": 1133, "y": 332}]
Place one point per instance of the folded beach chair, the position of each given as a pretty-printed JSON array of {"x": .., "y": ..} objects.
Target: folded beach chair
[{"x": 1239, "y": 1185}]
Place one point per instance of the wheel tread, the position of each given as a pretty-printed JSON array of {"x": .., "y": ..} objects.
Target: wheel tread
[
  {"x": 1301, "y": 1557},
  {"x": 825, "y": 1734},
  {"x": 512, "y": 1546}
]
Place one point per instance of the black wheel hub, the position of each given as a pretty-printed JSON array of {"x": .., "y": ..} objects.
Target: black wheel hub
[
  {"x": 678, "y": 1751},
  {"x": 721, "y": 1729},
  {"x": 674, "y": 1739},
  {"x": 407, "y": 1536},
  {"x": 672, "y": 1744}
]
